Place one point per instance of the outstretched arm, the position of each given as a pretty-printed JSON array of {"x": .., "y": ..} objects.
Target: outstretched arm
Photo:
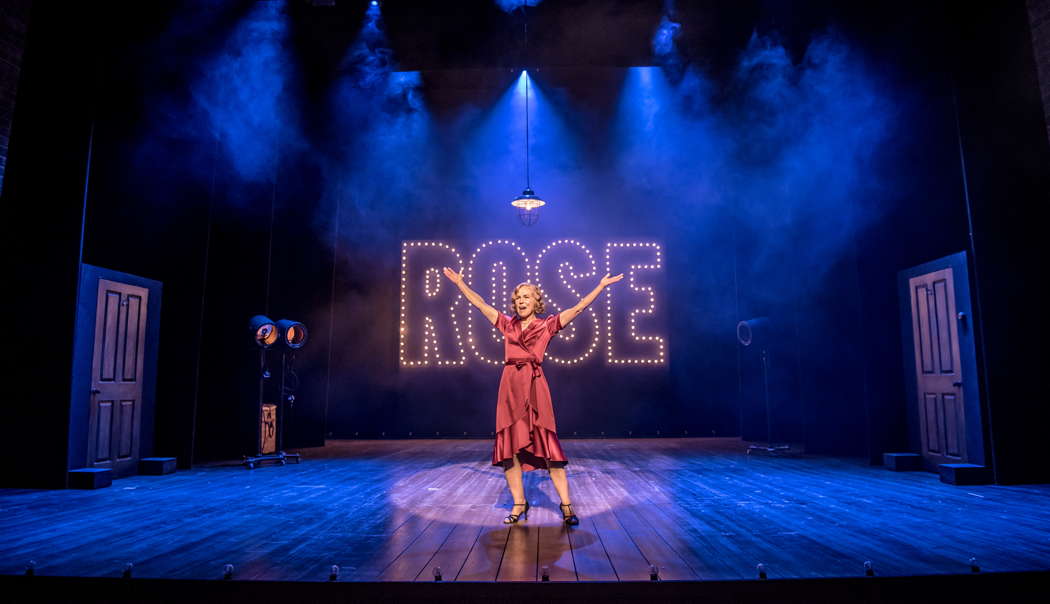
[
  {"x": 568, "y": 315},
  {"x": 490, "y": 313}
]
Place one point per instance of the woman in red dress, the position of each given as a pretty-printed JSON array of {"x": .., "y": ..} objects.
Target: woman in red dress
[{"x": 526, "y": 437}]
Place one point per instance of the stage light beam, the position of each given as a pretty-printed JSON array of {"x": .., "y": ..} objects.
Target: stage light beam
[{"x": 528, "y": 203}]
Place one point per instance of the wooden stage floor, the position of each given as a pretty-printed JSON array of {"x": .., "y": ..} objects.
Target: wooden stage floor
[{"x": 395, "y": 510}]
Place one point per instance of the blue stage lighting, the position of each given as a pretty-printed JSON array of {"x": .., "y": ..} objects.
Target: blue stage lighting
[{"x": 528, "y": 203}]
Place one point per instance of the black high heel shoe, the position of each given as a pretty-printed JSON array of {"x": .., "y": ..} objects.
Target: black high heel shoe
[
  {"x": 569, "y": 518},
  {"x": 513, "y": 518}
]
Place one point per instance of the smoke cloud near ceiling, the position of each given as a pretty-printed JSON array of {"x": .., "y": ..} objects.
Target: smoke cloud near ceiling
[
  {"x": 791, "y": 142},
  {"x": 246, "y": 92}
]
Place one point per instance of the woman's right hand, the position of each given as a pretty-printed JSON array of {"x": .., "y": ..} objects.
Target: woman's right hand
[{"x": 452, "y": 275}]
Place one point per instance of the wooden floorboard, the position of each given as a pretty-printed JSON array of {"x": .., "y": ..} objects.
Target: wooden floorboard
[
  {"x": 588, "y": 553},
  {"x": 519, "y": 555},
  {"x": 554, "y": 549},
  {"x": 484, "y": 560},
  {"x": 411, "y": 562},
  {"x": 451, "y": 555},
  {"x": 627, "y": 560},
  {"x": 654, "y": 547},
  {"x": 395, "y": 510}
]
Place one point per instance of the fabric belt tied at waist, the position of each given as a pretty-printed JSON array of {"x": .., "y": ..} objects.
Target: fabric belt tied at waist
[{"x": 520, "y": 362}]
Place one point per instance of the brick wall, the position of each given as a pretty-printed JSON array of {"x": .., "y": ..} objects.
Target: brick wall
[
  {"x": 1039, "y": 19},
  {"x": 14, "y": 20}
]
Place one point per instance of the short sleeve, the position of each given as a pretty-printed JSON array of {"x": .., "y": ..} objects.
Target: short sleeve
[
  {"x": 503, "y": 324},
  {"x": 554, "y": 323}
]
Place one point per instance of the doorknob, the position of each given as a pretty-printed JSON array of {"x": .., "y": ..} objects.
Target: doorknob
[
  {"x": 96, "y": 391},
  {"x": 957, "y": 384}
]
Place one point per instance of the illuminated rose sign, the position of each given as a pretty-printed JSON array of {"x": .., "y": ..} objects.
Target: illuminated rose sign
[{"x": 439, "y": 328}]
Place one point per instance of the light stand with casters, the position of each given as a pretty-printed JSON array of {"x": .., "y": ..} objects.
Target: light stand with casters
[
  {"x": 287, "y": 403},
  {"x": 748, "y": 333},
  {"x": 292, "y": 336}
]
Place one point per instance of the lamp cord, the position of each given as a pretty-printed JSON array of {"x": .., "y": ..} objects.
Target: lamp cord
[{"x": 528, "y": 180}]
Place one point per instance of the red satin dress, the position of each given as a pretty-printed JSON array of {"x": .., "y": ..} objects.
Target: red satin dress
[{"x": 524, "y": 413}]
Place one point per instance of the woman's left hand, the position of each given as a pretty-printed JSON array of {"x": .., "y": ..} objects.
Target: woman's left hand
[
  {"x": 607, "y": 280},
  {"x": 452, "y": 275}
]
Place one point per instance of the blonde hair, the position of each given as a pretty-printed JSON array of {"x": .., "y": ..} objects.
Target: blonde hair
[{"x": 539, "y": 297}]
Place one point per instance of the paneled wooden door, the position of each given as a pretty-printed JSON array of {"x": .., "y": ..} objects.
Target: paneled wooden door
[
  {"x": 935, "y": 331},
  {"x": 116, "y": 377}
]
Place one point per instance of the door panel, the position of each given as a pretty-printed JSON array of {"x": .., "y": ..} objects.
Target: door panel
[
  {"x": 127, "y": 429},
  {"x": 922, "y": 314},
  {"x": 944, "y": 334},
  {"x": 933, "y": 435},
  {"x": 102, "y": 431},
  {"x": 110, "y": 321},
  {"x": 952, "y": 421},
  {"x": 132, "y": 322}
]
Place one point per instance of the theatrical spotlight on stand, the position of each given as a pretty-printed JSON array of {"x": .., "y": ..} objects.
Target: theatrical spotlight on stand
[
  {"x": 289, "y": 336},
  {"x": 754, "y": 337}
]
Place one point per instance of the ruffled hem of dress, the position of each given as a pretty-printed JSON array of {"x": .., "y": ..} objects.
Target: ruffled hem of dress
[{"x": 535, "y": 449}]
